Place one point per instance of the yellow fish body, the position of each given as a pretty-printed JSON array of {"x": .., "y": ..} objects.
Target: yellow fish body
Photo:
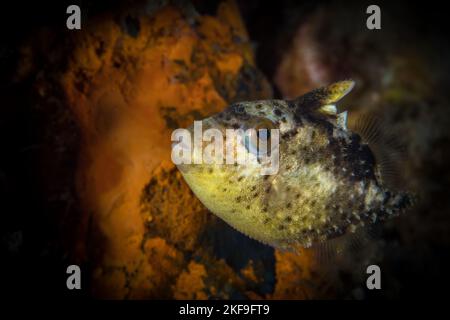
[{"x": 327, "y": 183}]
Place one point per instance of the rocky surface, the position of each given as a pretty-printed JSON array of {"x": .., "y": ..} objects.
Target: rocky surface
[{"x": 129, "y": 79}]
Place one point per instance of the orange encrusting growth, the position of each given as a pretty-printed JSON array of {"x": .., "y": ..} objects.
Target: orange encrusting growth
[{"x": 128, "y": 92}]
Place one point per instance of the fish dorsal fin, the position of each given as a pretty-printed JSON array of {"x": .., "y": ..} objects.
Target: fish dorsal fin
[
  {"x": 342, "y": 120},
  {"x": 389, "y": 152},
  {"x": 324, "y": 99},
  {"x": 328, "y": 109}
]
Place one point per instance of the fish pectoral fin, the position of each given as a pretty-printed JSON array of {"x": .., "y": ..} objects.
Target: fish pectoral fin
[{"x": 323, "y": 99}]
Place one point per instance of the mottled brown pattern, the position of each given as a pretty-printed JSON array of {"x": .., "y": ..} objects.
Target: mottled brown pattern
[{"x": 326, "y": 185}]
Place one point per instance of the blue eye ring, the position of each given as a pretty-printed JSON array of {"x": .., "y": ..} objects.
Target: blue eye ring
[{"x": 252, "y": 144}]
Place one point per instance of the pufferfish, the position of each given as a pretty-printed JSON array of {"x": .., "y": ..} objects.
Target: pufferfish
[{"x": 328, "y": 182}]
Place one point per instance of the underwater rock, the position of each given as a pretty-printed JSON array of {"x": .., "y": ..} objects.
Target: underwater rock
[{"x": 130, "y": 79}]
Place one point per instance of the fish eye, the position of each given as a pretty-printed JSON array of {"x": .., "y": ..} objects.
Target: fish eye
[
  {"x": 262, "y": 135},
  {"x": 251, "y": 144}
]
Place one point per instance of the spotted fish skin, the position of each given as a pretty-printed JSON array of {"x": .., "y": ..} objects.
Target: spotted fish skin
[{"x": 327, "y": 183}]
